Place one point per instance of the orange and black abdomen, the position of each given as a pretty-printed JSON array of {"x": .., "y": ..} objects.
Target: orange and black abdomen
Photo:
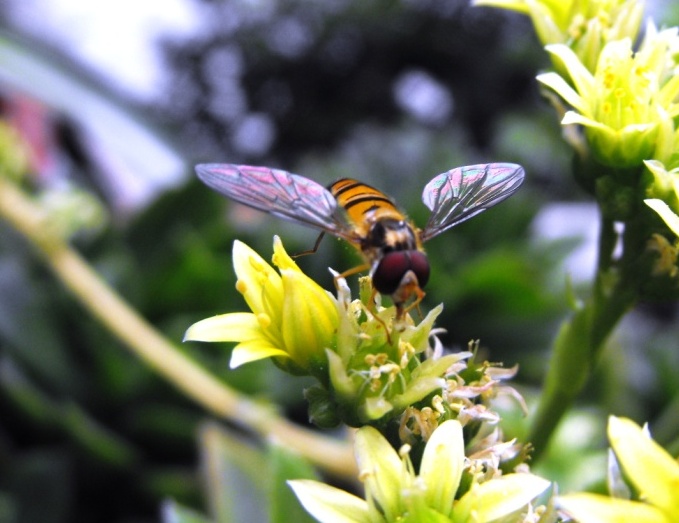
[{"x": 363, "y": 203}]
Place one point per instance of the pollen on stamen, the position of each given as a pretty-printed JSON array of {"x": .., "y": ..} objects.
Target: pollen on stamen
[{"x": 241, "y": 286}]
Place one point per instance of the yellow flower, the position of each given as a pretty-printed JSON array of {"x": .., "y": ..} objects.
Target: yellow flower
[
  {"x": 293, "y": 319},
  {"x": 394, "y": 492},
  {"x": 585, "y": 26},
  {"x": 651, "y": 470},
  {"x": 627, "y": 106}
]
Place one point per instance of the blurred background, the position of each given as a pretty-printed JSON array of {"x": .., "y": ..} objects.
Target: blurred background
[{"x": 123, "y": 98}]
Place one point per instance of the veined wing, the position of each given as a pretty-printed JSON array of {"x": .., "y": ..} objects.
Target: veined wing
[
  {"x": 461, "y": 193},
  {"x": 288, "y": 196}
]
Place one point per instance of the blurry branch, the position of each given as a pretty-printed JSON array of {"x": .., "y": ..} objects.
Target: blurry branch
[{"x": 144, "y": 341}]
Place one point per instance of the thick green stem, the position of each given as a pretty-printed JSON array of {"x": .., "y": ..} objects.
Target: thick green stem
[{"x": 579, "y": 342}]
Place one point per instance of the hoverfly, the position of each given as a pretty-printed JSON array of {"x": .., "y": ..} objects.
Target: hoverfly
[{"x": 367, "y": 218}]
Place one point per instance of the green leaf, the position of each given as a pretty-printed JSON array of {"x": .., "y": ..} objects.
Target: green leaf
[
  {"x": 283, "y": 504},
  {"x": 234, "y": 476}
]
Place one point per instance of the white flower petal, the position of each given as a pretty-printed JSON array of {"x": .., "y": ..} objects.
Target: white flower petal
[
  {"x": 499, "y": 497},
  {"x": 580, "y": 75},
  {"x": 254, "y": 350},
  {"x": 237, "y": 326},
  {"x": 664, "y": 211},
  {"x": 593, "y": 508},
  {"x": 442, "y": 465},
  {"x": 329, "y": 504},
  {"x": 564, "y": 90},
  {"x": 380, "y": 469}
]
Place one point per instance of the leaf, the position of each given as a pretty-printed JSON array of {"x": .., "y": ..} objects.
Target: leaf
[
  {"x": 283, "y": 504},
  {"x": 234, "y": 476}
]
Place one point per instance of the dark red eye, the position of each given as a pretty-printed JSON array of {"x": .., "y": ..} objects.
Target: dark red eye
[
  {"x": 419, "y": 264},
  {"x": 394, "y": 265}
]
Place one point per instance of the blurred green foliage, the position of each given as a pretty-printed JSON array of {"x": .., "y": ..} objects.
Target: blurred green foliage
[{"x": 94, "y": 435}]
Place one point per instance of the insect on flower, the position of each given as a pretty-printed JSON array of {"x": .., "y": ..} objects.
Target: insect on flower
[{"x": 367, "y": 218}]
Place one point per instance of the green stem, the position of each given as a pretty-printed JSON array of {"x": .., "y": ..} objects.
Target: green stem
[
  {"x": 579, "y": 342},
  {"x": 102, "y": 302}
]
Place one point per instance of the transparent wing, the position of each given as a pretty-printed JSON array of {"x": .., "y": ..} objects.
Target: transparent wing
[
  {"x": 461, "y": 193},
  {"x": 288, "y": 196}
]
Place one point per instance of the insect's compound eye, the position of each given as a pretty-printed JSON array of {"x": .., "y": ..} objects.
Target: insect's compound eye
[
  {"x": 419, "y": 264},
  {"x": 393, "y": 267}
]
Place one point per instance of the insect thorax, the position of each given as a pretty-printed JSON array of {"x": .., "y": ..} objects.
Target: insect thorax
[{"x": 387, "y": 235}]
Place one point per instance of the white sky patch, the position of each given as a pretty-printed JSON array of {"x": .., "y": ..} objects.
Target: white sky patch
[
  {"x": 572, "y": 220},
  {"x": 115, "y": 38},
  {"x": 424, "y": 97}
]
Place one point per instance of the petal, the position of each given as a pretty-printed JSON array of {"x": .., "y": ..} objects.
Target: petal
[
  {"x": 309, "y": 318},
  {"x": 664, "y": 211},
  {"x": 593, "y": 508},
  {"x": 237, "y": 326},
  {"x": 342, "y": 384},
  {"x": 499, "y": 497},
  {"x": 281, "y": 258},
  {"x": 374, "y": 408},
  {"x": 329, "y": 504},
  {"x": 254, "y": 350},
  {"x": 557, "y": 84},
  {"x": 515, "y": 5},
  {"x": 581, "y": 77},
  {"x": 547, "y": 26},
  {"x": 416, "y": 390},
  {"x": 437, "y": 367},
  {"x": 442, "y": 464},
  {"x": 669, "y": 92},
  {"x": 650, "y": 467},
  {"x": 258, "y": 282},
  {"x": 664, "y": 147},
  {"x": 571, "y": 117},
  {"x": 419, "y": 336},
  {"x": 380, "y": 469},
  {"x": 616, "y": 53}
]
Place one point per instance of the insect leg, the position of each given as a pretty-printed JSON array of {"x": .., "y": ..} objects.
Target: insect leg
[
  {"x": 313, "y": 249},
  {"x": 352, "y": 271},
  {"x": 401, "y": 310}
]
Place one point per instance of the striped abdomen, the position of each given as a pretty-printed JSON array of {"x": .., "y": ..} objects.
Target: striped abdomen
[{"x": 363, "y": 204}]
